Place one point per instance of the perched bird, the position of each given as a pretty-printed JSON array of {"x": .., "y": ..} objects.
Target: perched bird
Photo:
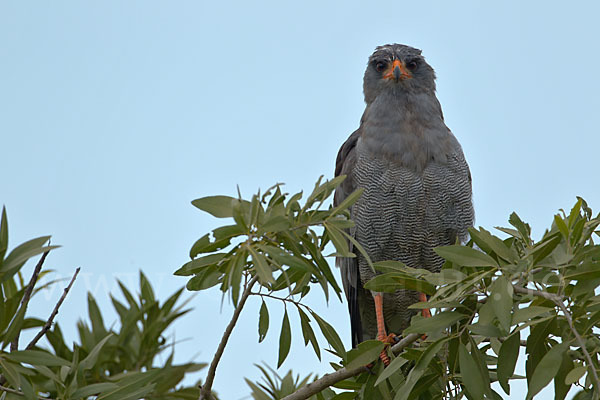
[{"x": 417, "y": 186}]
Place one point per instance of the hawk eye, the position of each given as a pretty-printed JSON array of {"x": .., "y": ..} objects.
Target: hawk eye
[
  {"x": 380, "y": 66},
  {"x": 412, "y": 65}
]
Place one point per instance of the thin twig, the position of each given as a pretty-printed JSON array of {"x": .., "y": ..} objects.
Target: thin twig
[
  {"x": 284, "y": 299},
  {"x": 205, "y": 390},
  {"x": 14, "y": 345},
  {"x": 48, "y": 323},
  {"x": 559, "y": 301},
  {"x": 331, "y": 379}
]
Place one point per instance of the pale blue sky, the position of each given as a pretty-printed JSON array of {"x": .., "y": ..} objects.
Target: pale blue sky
[{"x": 115, "y": 115}]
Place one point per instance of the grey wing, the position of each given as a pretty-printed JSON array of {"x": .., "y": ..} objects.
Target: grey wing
[{"x": 345, "y": 162}]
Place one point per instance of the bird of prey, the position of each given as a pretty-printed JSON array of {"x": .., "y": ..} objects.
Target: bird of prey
[{"x": 416, "y": 181}]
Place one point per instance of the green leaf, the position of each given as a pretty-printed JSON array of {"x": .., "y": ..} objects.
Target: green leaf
[
  {"x": 24, "y": 252},
  {"x": 348, "y": 201},
  {"x": 419, "y": 369},
  {"x": 392, "y": 281},
  {"x": 91, "y": 358},
  {"x": 501, "y": 299},
  {"x": 10, "y": 372},
  {"x": 337, "y": 237},
  {"x": 133, "y": 386},
  {"x": 217, "y": 206},
  {"x": 574, "y": 214},
  {"x": 308, "y": 333},
  {"x": 485, "y": 330},
  {"x": 465, "y": 256},
  {"x": 285, "y": 339},
  {"x": 435, "y": 323},
  {"x": 543, "y": 249},
  {"x": 263, "y": 322},
  {"x": 546, "y": 369},
  {"x": 195, "y": 266},
  {"x": 561, "y": 225},
  {"x": 488, "y": 242},
  {"x": 275, "y": 224},
  {"x": 528, "y": 313},
  {"x": 27, "y": 388},
  {"x": 15, "y": 326},
  {"x": 586, "y": 272},
  {"x": 391, "y": 369},
  {"x": 469, "y": 373},
  {"x": 560, "y": 388},
  {"x": 575, "y": 375},
  {"x": 331, "y": 335},
  {"x": 36, "y": 357},
  {"x": 523, "y": 228},
  {"x": 261, "y": 265},
  {"x": 3, "y": 235},
  {"x": 94, "y": 389},
  {"x": 227, "y": 232},
  {"x": 366, "y": 352},
  {"x": 204, "y": 245},
  {"x": 507, "y": 359},
  {"x": 208, "y": 278}
]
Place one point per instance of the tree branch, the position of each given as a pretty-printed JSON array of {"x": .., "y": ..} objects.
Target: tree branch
[
  {"x": 14, "y": 345},
  {"x": 331, "y": 379},
  {"x": 48, "y": 323},
  {"x": 559, "y": 301},
  {"x": 206, "y": 389}
]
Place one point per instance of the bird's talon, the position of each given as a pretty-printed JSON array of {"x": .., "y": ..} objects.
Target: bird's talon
[{"x": 384, "y": 357}]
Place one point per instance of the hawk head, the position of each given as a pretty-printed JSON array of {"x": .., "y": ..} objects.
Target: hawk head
[{"x": 397, "y": 69}]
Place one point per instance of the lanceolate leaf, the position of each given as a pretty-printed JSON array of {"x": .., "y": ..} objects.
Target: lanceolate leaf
[
  {"x": 470, "y": 373},
  {"x": 3, "y": 235},
  {"x": 393, "y": 281},
  {"x": 217, "y": 206},
  {"x": 465, "y": 256},
  {"x": 391, "y": 369},
  {"x": 419, "y": 369},
  {"x": 575, "y": 375},
  {"x": 263, "y": 322},
  {"x": 36, "y": 357},
  {"x": 507, "y": 359},
  {"x": 546, "y": 369},
  {"x": 501, "y": 299},
  {"x": 261, "y": 265},
  {"x": 331, "y": 335},
  {"x": 308, "y": 333},
  {"x": 91, "y": 358},
  {"x": 366, "y": 352},
  {"x": 435, "y": 323},
  {"x": 285, "y": 339}
]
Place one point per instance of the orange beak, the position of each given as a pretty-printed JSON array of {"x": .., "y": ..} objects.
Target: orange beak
[{"x": 397, "y": 71}]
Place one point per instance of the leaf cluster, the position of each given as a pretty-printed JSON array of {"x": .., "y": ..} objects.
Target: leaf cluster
[
  {"x": 108, "y": 363},
  {"x": 489, "y": 294},
  {"x": 281, "y": 241}
]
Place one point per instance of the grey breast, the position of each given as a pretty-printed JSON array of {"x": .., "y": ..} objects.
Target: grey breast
[{"x": 403, "y": 215}]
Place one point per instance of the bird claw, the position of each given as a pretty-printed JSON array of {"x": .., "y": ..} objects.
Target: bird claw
[{"x": 387, "y": 340}]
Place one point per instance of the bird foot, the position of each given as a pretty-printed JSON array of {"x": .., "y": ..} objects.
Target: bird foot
[{"x": 387, "y": 340}]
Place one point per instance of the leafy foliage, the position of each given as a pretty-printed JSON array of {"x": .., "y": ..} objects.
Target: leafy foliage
[
  {"x": 107, "y": 363},
  {"x": 487, "y": 295},
  {"x": 273, "y": 386},
  {"x": 493, "y": 296},
  {"x": 281, "y": 242}
]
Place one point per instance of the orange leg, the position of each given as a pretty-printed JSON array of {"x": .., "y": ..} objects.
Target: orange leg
[
  {"x": 381, "y": 335},
  {"x": 424, "y": 312}
]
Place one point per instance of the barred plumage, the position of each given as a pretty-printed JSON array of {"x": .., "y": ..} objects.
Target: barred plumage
[{"x": 417, "y": 188}]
